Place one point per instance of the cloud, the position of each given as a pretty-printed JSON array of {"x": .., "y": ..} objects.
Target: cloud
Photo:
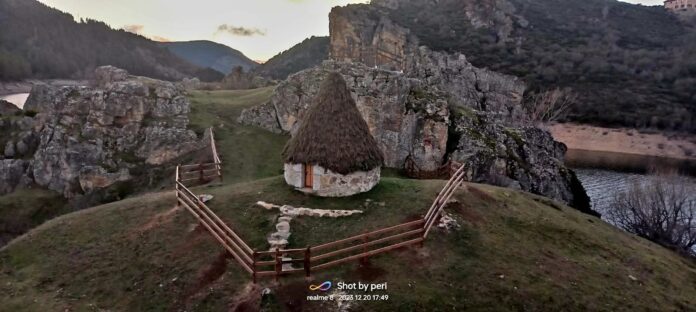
[
  {"x": 160, "y": 39},
  {"x": 136, "y": 29},
  {"x": 240, "y": 31}
]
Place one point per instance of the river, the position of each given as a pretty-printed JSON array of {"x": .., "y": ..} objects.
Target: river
[
  {"x": 17, "y": 99},
  {"x": 604, "y": 175}
]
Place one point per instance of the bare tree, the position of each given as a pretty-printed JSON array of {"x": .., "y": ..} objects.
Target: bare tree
[
  {"x": 662, "y": 210},
  {"x": 549, "y": 106}
]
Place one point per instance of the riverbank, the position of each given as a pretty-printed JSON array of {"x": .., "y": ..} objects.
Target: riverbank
[{"x": 624, "y": 141}]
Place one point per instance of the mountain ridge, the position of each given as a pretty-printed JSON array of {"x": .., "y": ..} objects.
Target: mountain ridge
[
  {"x": 38, "y": 41},
  {"x": 206, "y": 53}
]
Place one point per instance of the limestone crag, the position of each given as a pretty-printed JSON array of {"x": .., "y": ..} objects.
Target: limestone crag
[
  {"x": 426, "y": 108},
  {"x": 90, "y": 137},
  {"x": 394, "y": 106},
  {"x": 525, "y": 158},
  {"x": 13, "y": 174}
]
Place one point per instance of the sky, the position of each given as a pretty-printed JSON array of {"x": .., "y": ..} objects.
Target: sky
[{"x": 258, "y": 28}]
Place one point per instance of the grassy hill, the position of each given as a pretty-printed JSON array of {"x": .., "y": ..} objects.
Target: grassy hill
[
  {"x": 210, "y": 54},
  {"x": 514, "y": 251},
  {"x": 22, "y": 210}
]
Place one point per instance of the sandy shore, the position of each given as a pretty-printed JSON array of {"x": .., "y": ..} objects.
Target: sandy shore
[{"x": 591, "y": 138}]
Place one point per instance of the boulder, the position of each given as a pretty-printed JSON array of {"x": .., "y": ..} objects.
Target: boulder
[
  {"x": 95, "y": 177},
  {"x": 106, "y": 75},
  {"x": 8, "y": 109},
  {"x": 13, "y": 174},
  {"x": 525, "y": 158},
  {"x": 10, "y": 150}
]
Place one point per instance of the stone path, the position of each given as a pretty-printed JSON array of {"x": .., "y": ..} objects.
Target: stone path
[{"x": 279, "y": 239}]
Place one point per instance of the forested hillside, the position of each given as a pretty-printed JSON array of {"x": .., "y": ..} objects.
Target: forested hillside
[
  {"x": 206, "y": 53},
  {"x": 37, "y": 41},
  {"x": 308, "y": 53},
  {"x": 630, "y": 65}
]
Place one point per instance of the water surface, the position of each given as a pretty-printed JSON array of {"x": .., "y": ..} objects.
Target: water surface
[{"x": 17, "y": 99}]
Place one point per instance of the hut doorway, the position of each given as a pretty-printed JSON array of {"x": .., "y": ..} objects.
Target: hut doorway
[{"x": 309, "y": 176}]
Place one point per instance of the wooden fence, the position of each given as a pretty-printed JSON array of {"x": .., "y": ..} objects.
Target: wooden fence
[{"x": 279, "y": 262}]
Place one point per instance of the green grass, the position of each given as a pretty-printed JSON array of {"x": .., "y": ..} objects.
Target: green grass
[
  {"x": 247, "y": 152},
  {"x": 514, "y": 251},
  {"x": 27, "y": 208}
]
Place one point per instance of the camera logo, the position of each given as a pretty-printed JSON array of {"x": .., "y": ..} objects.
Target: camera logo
[{"x": 325, "y": 286}]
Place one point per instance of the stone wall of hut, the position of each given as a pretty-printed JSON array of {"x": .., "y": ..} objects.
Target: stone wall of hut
[{"x": 327, "y": 183}]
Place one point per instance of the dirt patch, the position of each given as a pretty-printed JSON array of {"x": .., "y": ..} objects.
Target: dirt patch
[
  {"x": 559, "y": 269},
  {"x": 414, "y": 256},
  {"x": 366, "y": 271},
  {"x": 155, "y": 221},
  {"x": 481, "y": 194},
  {"x": 195, "y": 236},
  {"x": 247, "y": 300},
  {"x": 293, "y": 295},
  {"x": 468, "y": 213},
  {"x": 207, "y": 276}
]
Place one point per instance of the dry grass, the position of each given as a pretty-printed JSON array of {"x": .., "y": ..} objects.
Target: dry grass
[{"x": 511, "y": 253}]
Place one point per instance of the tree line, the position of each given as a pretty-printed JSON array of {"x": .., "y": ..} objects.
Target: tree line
[{"x": 629, "y": 65}]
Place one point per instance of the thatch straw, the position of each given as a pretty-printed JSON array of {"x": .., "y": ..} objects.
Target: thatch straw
[{"x": 333, "y": 134}]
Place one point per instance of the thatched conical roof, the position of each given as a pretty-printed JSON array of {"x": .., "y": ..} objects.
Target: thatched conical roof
[{"x": 333, "y": 134}]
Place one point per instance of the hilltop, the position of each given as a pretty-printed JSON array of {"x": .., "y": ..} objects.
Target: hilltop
[
  {"x": 513, "y": 250},
  {"x": 210, "y": 54}
]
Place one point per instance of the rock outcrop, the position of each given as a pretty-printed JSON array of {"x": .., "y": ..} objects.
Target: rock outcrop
[
  {"x": 238, "y": 79},
  {"x": 13, "y": 174},
  {"x": 87, "y": 138},
  {"x": 426, "y": 108},
  {"x": 7, "y": 108}
]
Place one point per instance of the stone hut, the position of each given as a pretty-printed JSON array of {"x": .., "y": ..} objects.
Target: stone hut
[{"x": 333, "y": 153}]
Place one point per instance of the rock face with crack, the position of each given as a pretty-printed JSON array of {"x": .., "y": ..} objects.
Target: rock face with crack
[
  {"x": 426, "y": 108},
  {"x": 86, "y": 138}
]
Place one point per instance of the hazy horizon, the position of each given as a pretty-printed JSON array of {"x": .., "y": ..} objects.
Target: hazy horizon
[{"x": 234, "y": 23}]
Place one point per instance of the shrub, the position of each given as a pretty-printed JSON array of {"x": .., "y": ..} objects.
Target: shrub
[{"x": 662, "y": 210}]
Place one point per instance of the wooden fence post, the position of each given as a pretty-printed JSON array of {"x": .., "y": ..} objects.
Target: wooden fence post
[
  {"x": 176, "y": 186},
  {"x": 307, "y": 262},
  {"x": 278, "y": 264},
  {"x": 253, "y": 266},
  {"x": 200, "y": 168}
]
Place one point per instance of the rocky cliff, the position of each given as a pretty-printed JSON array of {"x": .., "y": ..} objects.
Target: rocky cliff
[
  {"x": 87, "y": 138},
  {"x": 426, "y": 108}
]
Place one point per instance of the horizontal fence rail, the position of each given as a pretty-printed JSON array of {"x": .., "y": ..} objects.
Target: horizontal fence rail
[{"x": 279, "y": 262}]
